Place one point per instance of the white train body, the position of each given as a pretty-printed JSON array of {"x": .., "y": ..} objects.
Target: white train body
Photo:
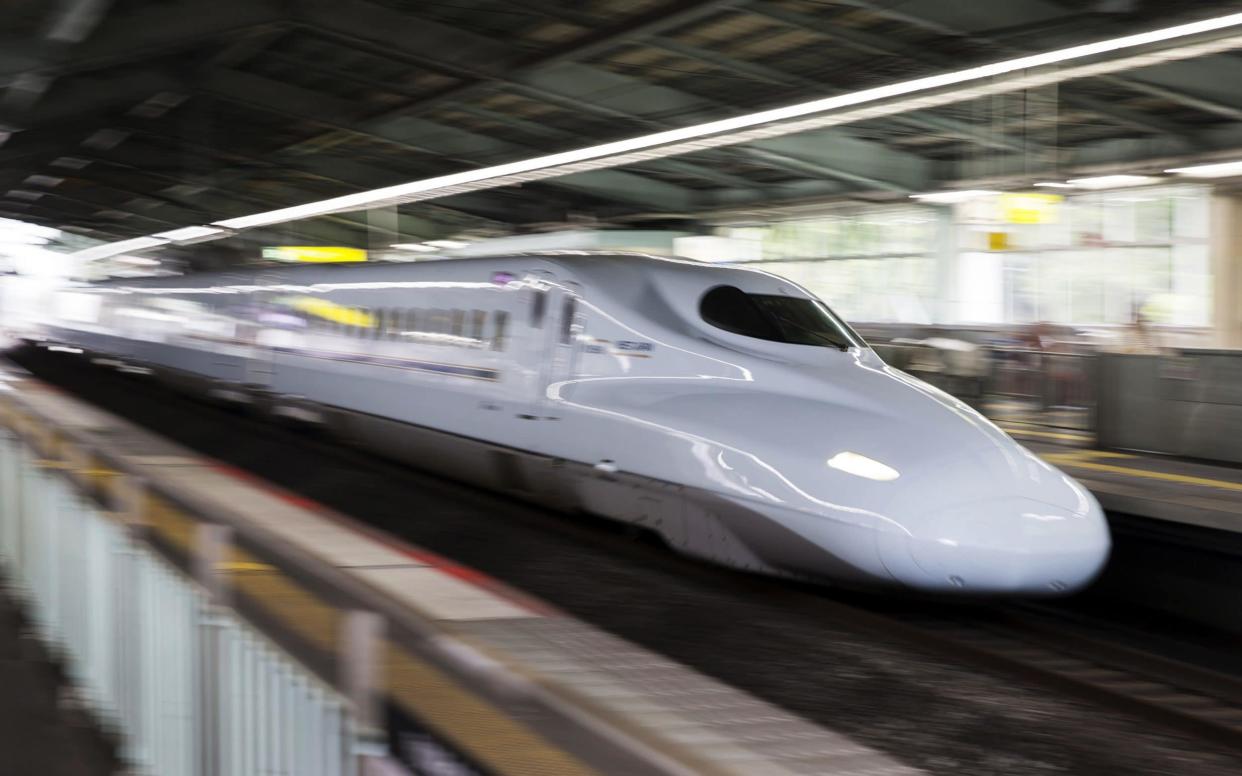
[{"x": 595, "y": 382}]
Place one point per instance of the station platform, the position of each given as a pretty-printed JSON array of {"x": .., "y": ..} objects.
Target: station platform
[{"x": 1141, "y": 484}]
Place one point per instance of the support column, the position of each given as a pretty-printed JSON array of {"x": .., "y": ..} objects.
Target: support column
[
  {"x": 945, "y": 254},
  {"x": 1225, "y": 235}
]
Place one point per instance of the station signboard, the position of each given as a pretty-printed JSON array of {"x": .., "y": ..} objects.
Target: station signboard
[{"x": 316, "y": 254}]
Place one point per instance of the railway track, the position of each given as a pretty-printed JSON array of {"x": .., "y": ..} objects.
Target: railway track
[{"x": 1043, "y": 647}]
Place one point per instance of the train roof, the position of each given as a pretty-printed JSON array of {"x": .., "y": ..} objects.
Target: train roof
[{"x": 605, "y": 266}]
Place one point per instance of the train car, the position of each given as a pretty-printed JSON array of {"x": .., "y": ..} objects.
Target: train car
[{"x": 726, "y": 409}]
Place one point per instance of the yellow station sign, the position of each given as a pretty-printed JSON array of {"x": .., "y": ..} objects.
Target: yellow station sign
[{"x": 317, "y": 254}]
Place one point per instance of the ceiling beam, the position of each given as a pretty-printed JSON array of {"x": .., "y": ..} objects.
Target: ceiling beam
[
  {"x": 440, "y": 219},
  {"x": 676, "y": 166},
  {"x": 573, "y": 86},
  {"x": 919, "y": 121},
  {"x": 147, "y": 31},
  {"x": 986, "y": 15},
  {"x": 868, "y": 42},
  {"x": 90, "y": 95},
  {"x": 424, "y": 137},
  {"x": 476, "y": 60}
]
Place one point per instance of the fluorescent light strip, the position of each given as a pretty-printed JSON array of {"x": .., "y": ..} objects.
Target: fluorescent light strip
[
  {"x": 192, "y": 233},
  {"x": 756, "y": 126},
  {"x": 1111, "y": 181},
  {"x": 1214, "y": 170},
  {"x": 108, "y": 250},
  {"x": 949, "y": 197},
  {"x": 416, "y": 247}
]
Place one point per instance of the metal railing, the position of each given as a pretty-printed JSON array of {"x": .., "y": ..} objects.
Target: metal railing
[
  {"x": 186, "y": 685},
  {"x": 1028, "y": 386}
]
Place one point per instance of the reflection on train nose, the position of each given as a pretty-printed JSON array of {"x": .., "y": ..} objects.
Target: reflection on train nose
[
  {"x": 861, "y": 466},
  {"x": 1001, "y": 546}
]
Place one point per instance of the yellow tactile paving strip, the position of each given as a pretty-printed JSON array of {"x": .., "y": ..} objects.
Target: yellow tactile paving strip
[
  {"x": 1086, "y": 459},
  {"x": 483, "y": 732},
  {"x": 1090, "y": 460},
  {"x": 1018, "y": 430}
]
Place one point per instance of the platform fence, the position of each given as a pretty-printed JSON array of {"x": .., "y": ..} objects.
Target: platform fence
[
  {"x": 1036, "y": 387},
  {"x": 186, "y": 686}
]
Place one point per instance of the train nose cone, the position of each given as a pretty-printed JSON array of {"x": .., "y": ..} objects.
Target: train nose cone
[{"x": 1001, "y": 546}]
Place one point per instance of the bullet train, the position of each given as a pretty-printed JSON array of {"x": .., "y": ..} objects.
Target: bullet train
[{"x": 726, "y": 409}]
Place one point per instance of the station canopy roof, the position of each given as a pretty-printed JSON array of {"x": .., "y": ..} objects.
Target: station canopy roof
[{"x": 128, "y": 117}]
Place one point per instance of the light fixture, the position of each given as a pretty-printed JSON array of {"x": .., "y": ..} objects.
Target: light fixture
[
  {"x": 862, "y": 466},
  {"x": 1111, "y": 181},
  {"x": 106, "y": 139},
  {"x": 416, "y": 247},
  {"x": 447, "y": 245},
  {"x": 24, "y": 194},
  {"x": 192, "y": 234},
  {"x": 70, "y": 162},
  {"x": 1214, "y": 170},
  {"x": 951, "y": 197},
  {"x": 48, "y": 181},
  {"x": 1054, "y": 185},
  {"x": 1028, "y": 72},
  {"x": 137, "y": 261},
  {"x": 108, "y": 250}
]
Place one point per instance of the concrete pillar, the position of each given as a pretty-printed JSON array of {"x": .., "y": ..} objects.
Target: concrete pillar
[
  {"x": 383, "y": 228},
  {"x": 1225, "y": 235},
  {"x": 945, "y": 253}
]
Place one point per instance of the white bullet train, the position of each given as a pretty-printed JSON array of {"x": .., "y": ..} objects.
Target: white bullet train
[{"x": 726, "y": 409}]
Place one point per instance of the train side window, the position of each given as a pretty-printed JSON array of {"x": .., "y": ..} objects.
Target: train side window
[
  {"x": 568, "y": 310},
  {"x": 501, "y": 319},
  {"x": 477, "y": 319},
  {"x": 538, "y": 308},
  {"x": 459, "y": 323}
]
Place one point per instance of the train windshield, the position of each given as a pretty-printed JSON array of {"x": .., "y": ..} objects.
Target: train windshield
[{"x": 790, "y": 319}]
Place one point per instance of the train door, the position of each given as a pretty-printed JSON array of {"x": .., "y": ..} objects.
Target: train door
[
  {"x": 556, "y": 318},
  {"x": 259, "y": 338}
]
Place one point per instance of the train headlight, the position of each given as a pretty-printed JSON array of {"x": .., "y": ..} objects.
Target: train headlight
[{"x": 862, "y": 466}]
